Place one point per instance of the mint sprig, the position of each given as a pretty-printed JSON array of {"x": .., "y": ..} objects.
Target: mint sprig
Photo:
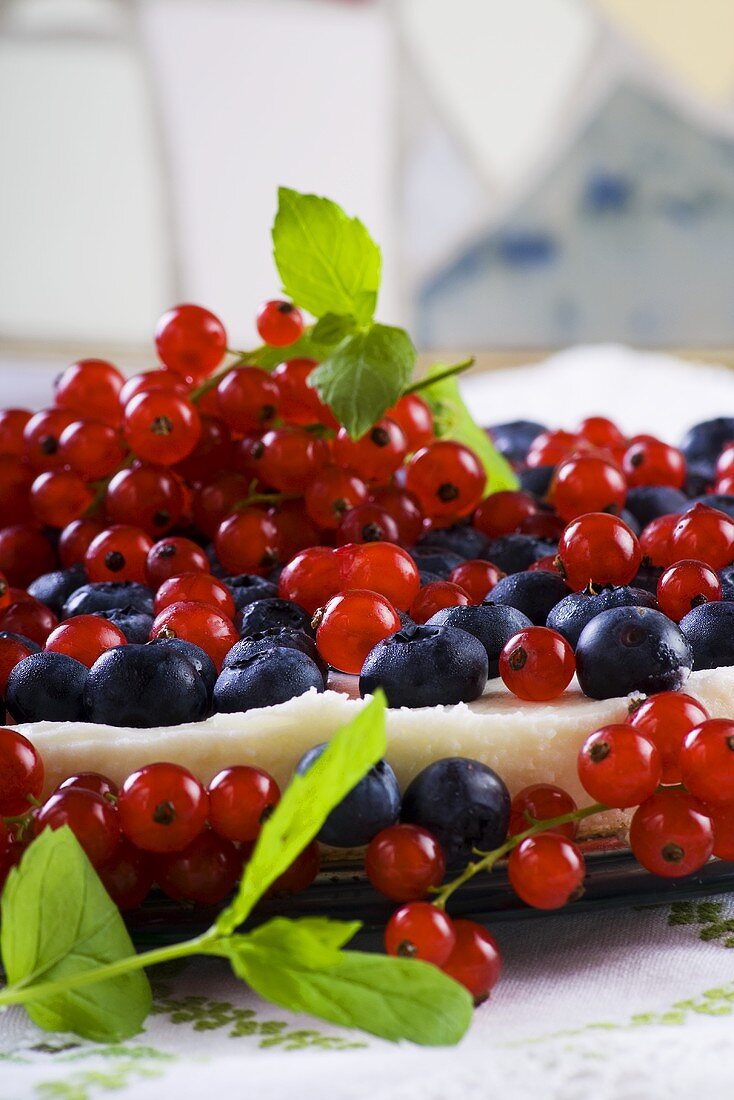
[{"x": 69, "y": 959}]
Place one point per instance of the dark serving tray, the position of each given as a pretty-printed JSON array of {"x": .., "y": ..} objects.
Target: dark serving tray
[{"x": 614, "y": 879}]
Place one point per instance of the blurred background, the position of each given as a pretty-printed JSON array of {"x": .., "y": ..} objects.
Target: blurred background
[{"x": 539, "y": 172}]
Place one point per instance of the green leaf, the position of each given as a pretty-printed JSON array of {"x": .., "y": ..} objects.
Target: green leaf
[
  {"x": 365, "y": 376},
  {"x": 390, "y": 997},
  {"x": 454, "y": 421},
  {"x": 305, "y": 806},
  {"x": 307, "y": 347},
  {"x": 333, "y": 327},
  {"x": 313, "y": 943},
  {"x": 58, "y": 920},
  {"x": 327, "y": 261}
]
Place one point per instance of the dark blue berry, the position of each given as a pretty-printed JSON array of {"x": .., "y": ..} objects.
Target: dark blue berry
[
  {"x": 710, "y": 633},
  {"x": 631, "y": 649},
  {"x": 513, "y": 439},
  {"x": 574, "y": 612},
  {"x": 492, "y": 624},
  {"x": 215, "y": 565},
  {"x": 436, "y": 559},
  {"x": 647, "y": 578},
  {"x": 514, "y": 553},
  {"x": 428, "y": 577},
  {"x": 700, "y": 476},
  {"x": 532, "y": 593},
  {"x": 265, "y": 679},
  {"x": 726, "y": 576},
  {"x": 536, "y": 480},
  {"x": 54, "y": 589},
  {"x": 370, "y": 807},
  {"x": 426, "y": 666},
  {"x": 461, "y": 538},
  {"x": 104, "y": 595},
  {"x": 649, "y": 502},
  {"x": 144, "y": 686},
  {"x": 264, "y": 614},
  {"x": 246, "y": 588},
  {"x": 704, "y": 442},
  {"x": 276, "y": 637},
  {"x": 463, "y": 803},
  {"x": 723, "y": 501},
  {"x": 46, "y": 687},
  {"x": 201, "y": 661},
  {"x": 631, "y": 520},
  {"x": 135, "y": 625}
]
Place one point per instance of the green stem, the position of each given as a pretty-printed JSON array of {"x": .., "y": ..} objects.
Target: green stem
[
  {"x": 20, "y": 994},
  {"x": 489, "y": 859},
  {"x": 242, "y": 359},
  {"x": 424, "y": 383}
]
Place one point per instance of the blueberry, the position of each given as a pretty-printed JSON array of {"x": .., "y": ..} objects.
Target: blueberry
[
  {"x": 704, "y": 442},
  {"x": 532, "y": 593},
  {"x": 276, "y": 637},
  {"x": 631, "y": 649},
  {"x": 54, "y": 589},
  {"x": 709, "y": 630},
  {"x": 574, "y": 612},
  {"x": 461, "y": 538},
  {"x": 723, "y": 501},
  {"x": 513, "y": 439},
  {"x": 246, "y": 588},
  {"x": 264, "y": 614},
  {"x": 370, "y": 807},
  {"x": 726, "y": 576},
  {"x": 536, "y": 480},
  {"x": 426, "y": 577},
  {"x": 647, "y": 578},
  {"x": 436, "y": 559},
  {"x": 264, "y": 679},
  {"x": 215, "y": 565},
  {"x": 463, "y": 803},
  {"x": 201, "y": 660},
  {"x": 104, "y": 595},
  {"x": 144, "y": 686},
  {"x": 631, "y": 520},
  {"x": 514, "y": 553},
  {"x": 135, "y": 625},
  {"x": 648, "y": 502},
  {"x": 47, "y": 687},
  {"x": 426, "y": 666},
  {"x": 492, "y": 624},
  {"x": 700, "y": 476},
  {"x": 34, "y": 647}
]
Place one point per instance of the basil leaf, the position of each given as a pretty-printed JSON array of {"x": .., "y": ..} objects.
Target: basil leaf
[
  {"x": 390, "y": 997},
  {"x": 327, "y": 261},
  {"x": 333, "y": 327},
  {"x": 454, "y": 421},
  {"x": 305, "y": 806},
  {"x": 310, "y": 942},
  {"x": 268, "y": 358},
  {"x": 365, "y": 376},
  {"x": 58, "y": 920}
]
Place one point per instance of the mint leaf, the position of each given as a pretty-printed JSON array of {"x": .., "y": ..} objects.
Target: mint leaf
[
  {"x": 454, "y": 421},
  {"x": 333, "y": 327},
  {"x": 58, "y": 920},
  {"x": 307, "y": 802},
  {"x": 327, "y": 261},
  {"x": 365, "y": 376},
  {"x": 390, "y": 997},
  {"x": 313, "y": 943}
]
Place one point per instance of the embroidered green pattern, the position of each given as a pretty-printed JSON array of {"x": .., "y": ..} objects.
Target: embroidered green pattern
[
  {"x": 708, "y": 916},
  {"x": 87, "y": 1084}
]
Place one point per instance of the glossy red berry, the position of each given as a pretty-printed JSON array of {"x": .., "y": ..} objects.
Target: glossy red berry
[
  {"x": 665, "y": 719},
  {"x": 74, "y": 540},
  {"x": 279, "y": 323},
  {"x": 59, "y": 497},
  {"x": 241, "y": 799},
  {"x": 476, "y": 577},
  {"x": 707, "y": 761},
  {"x": 704, "y": 534},
  {"x": 213, "y": 453},
  {"x": 502, "y": 513},
  {"x": 13, "y": 650},
  {"x": 377, "y": 454},
  {"x": 352, "y": 624},
  {"x": 546, "y": 871},
  {"x": 542, "y": 802},
  {"x": 434, "y": 597},
  {"x": 150, "y": 497},
  {"x": 42, "y": 435},
  {"x": 29, "y": 618},
  {"x": 151, "y": 380},
  {"x": 90, "y": 388},
  {"x": 311, "y": 578},
  {"x": 419, "y": 930},
  {"x": 12, "y": 426},
  {"x": 92, "y": 781},
  {"x": 16, "y": 478},
  {"x": 651, "y": 462},
  {"x": 201, "y": 587},
  {"x": 331, "y": 494},
  {"x": 198, "y": 623},
  {"x": 248, "y": 399},
  {"x": 587, "y": 483},
  {"x": 91, "y": 449},
  {"x": 723, "y": 822},
  {"x": 404, "y": 509},
  {"x": 601, "y": 432},
  {"x": 85, "y": 638},
  {"x": 21, "y": 773},
  {"x": 162, "y": 808},
  {"x": 299, "y": 403},
  {"x": 550, "y": 448},
  {"x": 381, "y": 567},
  {"x": 447, "y": 478},
  {"x": 25, "y": 553},
  {"x": 619, "y": 766},
  {"x": 672, "y": 834},
  {"x": 91, "y": 818},
  {"x": 119, "y": 553},
  {"x": 172, "y": 556},
  {"x": 215, "y": 501},
  {"x": 655, "y": 540},
  {"x": 190, "y": 341},
  {"x": 367, "y": 523},
  {"x": 127, "y": 875},
  {"x": 247, "y": 542},
  {"x": 294, "y": 529},
  {"x": 598, "y": 549},
  {"x": 204, "y": 872},
  {"x": 288, "y": 459},
  {"x": 414, "y": 416},
  {"x": 299, "y": 876},
  {"x": 161, "y": 427},
  {"x": 686, "y": 585},
  {"x": 475, "y": 961},
  {"x": 403, "y": 862},
  {"x": 537, "y": 664}
]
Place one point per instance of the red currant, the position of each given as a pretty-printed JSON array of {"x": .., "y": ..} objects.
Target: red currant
[
  {"x": 651, "y": 462},
  {"x": 198, "y": 623},
  {"x": 25, "y": 553},
  {"x": 311, "y": 578},
  {"x": 240, "y": 801},
  {"x": 704, "y": 534},
  {"x": 85, "y": 638},
  {"x": 550, "y": 448},
  {"x": 447, "y": 478},
  {"x": 619, "y": 766},
  {"x": 212, "y": 455},
  {"x": 672, "y": 834},
  {"x": 12, "y": 426},
  {"x": 598, "y": 549},
  {"x": 367, "y": 523},
  {"x": 59, "y": 497},
  {"x": 665, "y": 719},
  {"x": 587, "y": 483},
  {"x": 537, "y": 664},
  {"x": 707, "y": 761},
  {"x": 404, "y": 509},
  {"x": 13, "y": 650},
  {"x": 686, "y": 585},
  {"x": 655, "y": 540},
  {"x": 161, "y": 427},
  {"x": 475, "y": 960},
  {"x": 90, "y": 388},
  {"x": 21, "y": 773},
  {"x": 162, "y": 808},
  {"x": 92, "y": 449},
  {"x": 542, "y": 802},
  {"x": 127, "y": 876},
  {"x": 546, "y": 871},
  {"x": 173, "y": 556},
  {"x": 74, "y": 540},
  {"x": 149, "y": 381},
  {"x": 476, "y": 577},
  {"x": 381, "y": 567},
  {"x": 279, "y": 323},
  {"x": 502, "y": 513},
  {"x": 212, "y": 503},
  {"x": 16, "y": 478},
  {"x": 201, "y": 587},
  {"x": 91, "y": 818},
  {"x": 29, "y": 618},
  {"x": 331, "y": 494},
  {"x": 434, "y": 597},
  {"x": 150, "y": 497},
  {"x": 601, "y": 432},
  {"x": 377, "y": 454},
  {"x": 288, "y": 459},
  {"x": 248, "y": 398},
  {"x": 419, "y": 930},
  {"x": 299, "y": 403},
  {"x": 42, "y": 436},
  {"x": 247, "y": 542},
  {"x": 352, "y": 624},
  {"x": 403, "y": 862},
  {"x": 92, "y": 781},
  {"x": 294, "y": 530},
  {"x": 723, "y": 821},
  {"x": 299, "y": 876},
  {"x": 190, "y": 341},
  {"x": 204, "y": 872},
  {"x": 119, "y": 553},
  {"x": 414, "y": 416}
]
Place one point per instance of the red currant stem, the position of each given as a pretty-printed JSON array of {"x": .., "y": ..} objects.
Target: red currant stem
[
  {"x": 100, "y": 488},
  {"x": 423, "y": 383},
  {"x": 242, "y": 359},
  {"x": 264, "y": 498},
  {"x": 489, "y": 859}
]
